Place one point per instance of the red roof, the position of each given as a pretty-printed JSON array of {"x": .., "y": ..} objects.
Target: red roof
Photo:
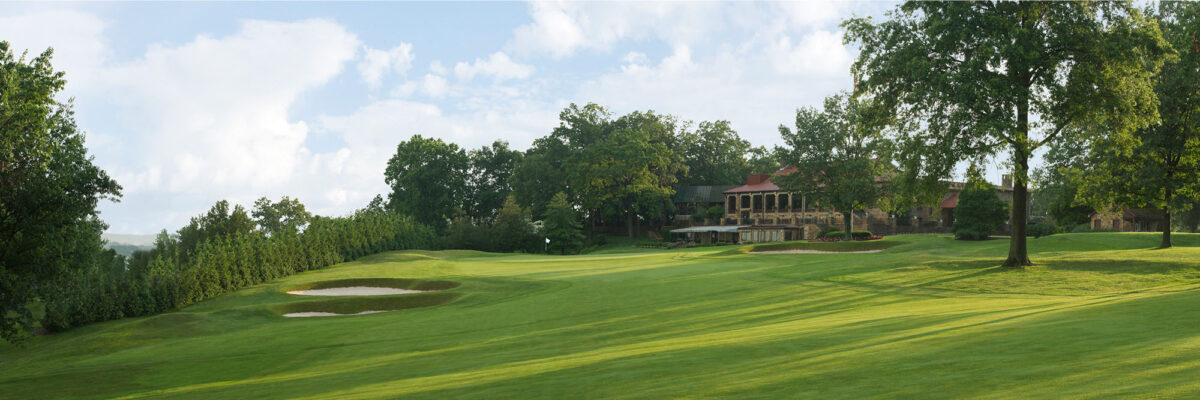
[
  {"x": 764, "y": 185},
  {"x": 951, "y": 201}
]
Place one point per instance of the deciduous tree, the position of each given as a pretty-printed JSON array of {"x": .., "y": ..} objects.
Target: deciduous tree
[
  {"x": 428, "y": 179},
  {"x": 986, "y": 78}
]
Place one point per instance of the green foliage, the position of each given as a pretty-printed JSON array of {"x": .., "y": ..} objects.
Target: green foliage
[
  {"x": 428, "y": 178},
  {"x": 224, "y": 258},
  {"x": 1036, "y": 71},
  {"x": 980, "y": 211},
  {"x": 1160, "y": 165},
  {"x": 1042, "y": 229},
  {"x": 49, "y": 190},
  {"x": 616, "y": 170},
  {"x": 489, "y": 183},
  {"x": 514, "y": 230},
  {"x": 714, "y": 155},
  {"x": 286, "y": 216},
  {"x": 464, "y": 233},
  {"x": 836, "y": 152},
  {"x": 561, "y": 226},
  {"x": 1057, "y": 192},
  {"x": 715, "y": 212}
]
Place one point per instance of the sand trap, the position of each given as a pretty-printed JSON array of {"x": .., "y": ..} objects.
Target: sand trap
[
  {"x": 355, "y": 291},
  {"x": 327, "y": 314},
  {"x": 814, "y": 252}
]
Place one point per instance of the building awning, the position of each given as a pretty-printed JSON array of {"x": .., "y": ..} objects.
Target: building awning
[{"x": 710, "y": 228}]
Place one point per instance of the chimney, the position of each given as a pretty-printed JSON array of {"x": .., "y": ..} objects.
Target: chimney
[
  {"x": 1006, "y": 181},
  {"x": 755, "y": 179}
]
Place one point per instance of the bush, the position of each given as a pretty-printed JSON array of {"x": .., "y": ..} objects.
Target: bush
[
  {"x": 839, "y": 235},
  {"x": 1042, "y": 229},
  {"x": 716, "y": 212},
  {"x": 980, "y": 211}
]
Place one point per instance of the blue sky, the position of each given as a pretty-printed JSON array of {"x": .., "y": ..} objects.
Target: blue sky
[{"x": 189, "y": 103}]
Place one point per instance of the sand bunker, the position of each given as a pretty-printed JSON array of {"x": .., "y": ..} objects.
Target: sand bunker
[
  {"x": 355, "y": 291},
  {"x": 328, "y": 314},
  {"x": 814, "y": 252}
]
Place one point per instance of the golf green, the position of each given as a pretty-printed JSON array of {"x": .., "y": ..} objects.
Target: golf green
[{"x": 1101, "y": 315}]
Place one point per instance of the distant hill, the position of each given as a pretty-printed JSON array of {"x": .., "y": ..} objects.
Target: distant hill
[{"x": 127, "y": 244}]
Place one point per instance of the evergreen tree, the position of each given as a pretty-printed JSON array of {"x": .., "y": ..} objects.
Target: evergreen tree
[{"x": 561, "y": 226}]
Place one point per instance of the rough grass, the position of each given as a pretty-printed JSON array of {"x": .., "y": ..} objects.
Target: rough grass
[{"x": 1101, "y": 315}]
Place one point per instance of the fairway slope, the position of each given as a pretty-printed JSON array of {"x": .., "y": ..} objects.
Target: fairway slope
[{"x": 1100, "y": 315}]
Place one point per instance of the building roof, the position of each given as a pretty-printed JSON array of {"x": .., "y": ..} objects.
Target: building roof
[
  {"x": 761, "y": 183},
  {"x": 701, "y": 194},
  {"x": 951, "y": 201}
]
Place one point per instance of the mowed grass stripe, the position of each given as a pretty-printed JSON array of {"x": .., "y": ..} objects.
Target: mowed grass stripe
[{"x": 1100, "y": 316}]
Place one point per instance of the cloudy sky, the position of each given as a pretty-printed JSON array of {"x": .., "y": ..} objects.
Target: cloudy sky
[{"x": 189, "y": 103}]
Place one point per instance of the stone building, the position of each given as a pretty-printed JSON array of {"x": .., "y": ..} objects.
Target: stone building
[
  {"x": 1126, "y": 219},
  {"x": 764, "y": 213}
]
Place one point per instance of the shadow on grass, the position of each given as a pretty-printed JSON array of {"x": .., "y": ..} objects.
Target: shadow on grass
[{"x": 367, "y": 303}]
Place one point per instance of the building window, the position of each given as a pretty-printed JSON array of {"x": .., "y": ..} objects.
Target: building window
[
  {"x": 770, "y": 202},
  {"x": 746, "y": 201},
  {"x": 758, "y": 203},
  {"x": 785, "y": 202},
  {"x": 732, "y": 207}
]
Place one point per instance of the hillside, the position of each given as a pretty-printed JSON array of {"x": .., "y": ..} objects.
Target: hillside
[{"x": 1102, "y": 315}]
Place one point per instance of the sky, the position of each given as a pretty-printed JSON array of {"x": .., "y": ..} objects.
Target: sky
[{"x": 185, "y": 104}]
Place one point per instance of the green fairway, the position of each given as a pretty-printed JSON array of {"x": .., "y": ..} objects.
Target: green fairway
[{"x": 1102, "y": 315}]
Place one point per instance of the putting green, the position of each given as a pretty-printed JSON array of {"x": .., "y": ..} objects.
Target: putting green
[{"x": 1101, "y": 316}]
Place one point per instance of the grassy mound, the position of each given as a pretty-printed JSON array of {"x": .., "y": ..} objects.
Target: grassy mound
[
  {"x": 367, "y": 303},
  {"x": 394, "y": 283}
]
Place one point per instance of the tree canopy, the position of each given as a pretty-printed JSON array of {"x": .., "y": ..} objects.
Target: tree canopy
[
  {"x": 428, "y": 178},
  {"x": 837, "y": 153},
  {"x": 1160, "y": 165},
  {"x": 988, "y": 78},
  {"x": 49, "y": 187}
]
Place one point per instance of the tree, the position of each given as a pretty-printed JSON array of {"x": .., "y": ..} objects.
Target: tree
[
  {"x": 49, "y": 188},
  {"x": 514, "y": 230},
  {"x": 623, "y": 169},
  {"x": 489, "y": 182},
  {"x": 464, "y": 233},
  {"x": 1160, "y": 165},
  {"x": 287, "y": 215},
  {"x": 1056, "y": 189},
  {"x": 714, "y": 155},
  {"x": 992, "y": 77},
  {"x": 761, "y": 161},
  {"x": 836, "y": 153},
  {"x": 428, "y": 179},
  {"x": 980, "y": 211},
  {"x": 561, "y": 226}
]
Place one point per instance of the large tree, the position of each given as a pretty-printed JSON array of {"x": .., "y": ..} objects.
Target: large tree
[
  {"x": 285, "y": 216},
  {"x": 616, "y": 170},
  {"x": 428, "y": 179},
  {"x": 49, "y": 188},
  {"x": 561, "y": 226},
  {"x": 987, "y": 78},
  {"x": 714, "y": 155},
  {"x": 489, "y": 179},
  {"x": 838, "y": 154},
  {"x": 1160, "y": 166}
]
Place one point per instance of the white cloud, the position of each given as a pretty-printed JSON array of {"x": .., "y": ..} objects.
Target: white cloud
[
  {"x": 562, "y": 28},
  {"x": 77, "y": 39},
  {"x": 434, "y": 86},
  {"x": 498, "y": 66},
  {"x": 376, "y": 63},
  {"x": 817, "y": 53}
]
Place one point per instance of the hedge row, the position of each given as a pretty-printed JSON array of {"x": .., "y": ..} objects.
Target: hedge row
[{"x": 174, "y": 277}]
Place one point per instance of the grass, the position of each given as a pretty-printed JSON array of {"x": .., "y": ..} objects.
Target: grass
[{"x": 1102, "y": 315}]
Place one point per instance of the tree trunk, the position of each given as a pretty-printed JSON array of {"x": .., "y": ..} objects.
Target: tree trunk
[
  {"x": 1166, "y": 228},
  {"x": 1018, "y": 254},
  {"x": 629, "y": 222},
  {"x": 846, "y": 219}
]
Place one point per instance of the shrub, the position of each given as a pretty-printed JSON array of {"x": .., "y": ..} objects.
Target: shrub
[
  {"x": 716, "y": 212},
  {"x": 856, "y": 235},
  {"x": 1042, "y": 229},
  {"x": 980, "y": 211}
]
